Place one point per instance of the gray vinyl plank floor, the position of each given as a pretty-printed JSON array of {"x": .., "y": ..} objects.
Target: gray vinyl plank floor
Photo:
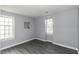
[{"x": 38, "y": 47}]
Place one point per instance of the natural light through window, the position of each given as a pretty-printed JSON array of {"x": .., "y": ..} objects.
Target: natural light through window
[
  {"x": 6, "y": 27},
  {"x": 49, "y": 26}
]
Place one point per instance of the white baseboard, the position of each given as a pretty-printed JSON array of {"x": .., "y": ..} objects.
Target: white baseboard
[
  {"x": 60, "y": 44},
  {"x": 41, "y": 40},
  {"x": 16, "y": 44},
  {"x": 65, "y": 46}
]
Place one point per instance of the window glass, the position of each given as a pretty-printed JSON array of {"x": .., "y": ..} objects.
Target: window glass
[
  {"x": 49, "y": 26},
  {"x": 6, "y": 27}
]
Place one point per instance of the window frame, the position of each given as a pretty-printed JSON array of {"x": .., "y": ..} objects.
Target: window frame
[
  {"x": 46, "y": 26},
  {"x": 13, "y": 27}
]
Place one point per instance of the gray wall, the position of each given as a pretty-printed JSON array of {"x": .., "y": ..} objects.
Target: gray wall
[
  {"x": 78, "y": 28},
  {"x": 21, "y": 34},
  {"x": 65, "y": 28},
  {"x": 40, "y": 28}
]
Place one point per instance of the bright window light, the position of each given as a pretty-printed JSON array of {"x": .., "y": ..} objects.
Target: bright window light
[
  {"x": 6, "y": 27},
  {"x": 49, "y": 26}
]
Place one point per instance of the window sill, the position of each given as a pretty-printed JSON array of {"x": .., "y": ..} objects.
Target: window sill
[{"x": 6, "y": 39}]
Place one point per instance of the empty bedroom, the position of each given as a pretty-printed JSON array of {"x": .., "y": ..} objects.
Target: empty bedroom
[{"x": 39, "y": 29}]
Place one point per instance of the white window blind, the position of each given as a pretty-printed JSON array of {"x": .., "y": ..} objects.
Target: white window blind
[
  {"x": 49, "y": 26},
  {"x": 6, "y": 27}
]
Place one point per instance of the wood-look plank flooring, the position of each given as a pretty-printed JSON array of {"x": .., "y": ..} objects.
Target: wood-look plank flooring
[{"x": 38, "y": 47}]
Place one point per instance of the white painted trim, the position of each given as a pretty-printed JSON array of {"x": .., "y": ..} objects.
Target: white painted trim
[
  {"x": 65, "y": 46},
  {"x": 16, "y": 44},
  {"x": 41, "y": 40},
  {"x": 60, "y": 44}
]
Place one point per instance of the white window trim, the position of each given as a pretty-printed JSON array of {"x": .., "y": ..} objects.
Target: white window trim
[
  {"x": 46, "y": 27},
  {"x": 12, "y": 30}
]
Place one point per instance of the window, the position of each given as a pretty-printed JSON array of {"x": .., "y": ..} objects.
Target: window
[
  {"x": 49, "y": 26},
  {"x": 6, "y": 27}
]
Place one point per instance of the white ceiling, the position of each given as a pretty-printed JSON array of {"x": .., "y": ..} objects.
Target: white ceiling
[{"x": 34, "y": 10}]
